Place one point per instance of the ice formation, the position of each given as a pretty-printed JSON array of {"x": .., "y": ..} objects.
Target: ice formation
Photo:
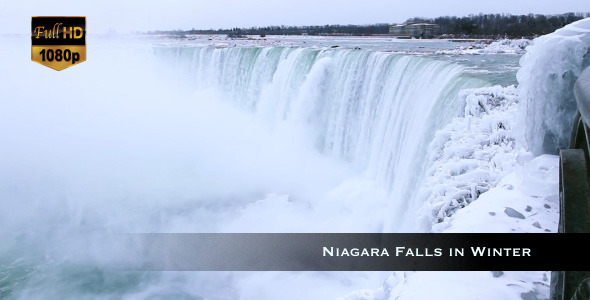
[
  {"x": 505, "y": 46},
  {"x": 471, "y": 154},
  {"x": 546, "y": 78}
]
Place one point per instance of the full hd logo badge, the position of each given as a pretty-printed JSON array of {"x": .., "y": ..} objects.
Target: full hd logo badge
[{"x": 58, "y": 42}]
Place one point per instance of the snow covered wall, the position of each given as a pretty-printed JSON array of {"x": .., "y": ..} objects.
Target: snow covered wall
[
  {"x": 546, "y": 80},
  {"x": 376, "y": 110}
]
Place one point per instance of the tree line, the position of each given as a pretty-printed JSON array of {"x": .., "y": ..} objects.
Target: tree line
[
  {"x": 472, "y": 26},
  {"x": 501, "y": 25}
]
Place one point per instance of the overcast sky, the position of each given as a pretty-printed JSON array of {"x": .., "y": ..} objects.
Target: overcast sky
[{"x": 142, "y": 15}]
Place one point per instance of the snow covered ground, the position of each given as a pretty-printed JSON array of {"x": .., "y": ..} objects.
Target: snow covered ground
[
  {"x": 526, "y": 200},
  {"x": 459, "y": 285}
]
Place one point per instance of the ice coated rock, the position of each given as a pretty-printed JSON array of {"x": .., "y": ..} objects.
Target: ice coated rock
[
  {"x": 497, "y": 273},
  {"x": 532, "y": 295},
  {"x": 546, "y": 80},
  {"x": 511, "y": 212}
]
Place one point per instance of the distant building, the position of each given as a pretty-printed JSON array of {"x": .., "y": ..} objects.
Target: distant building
[{"x": 418, "y": 30}]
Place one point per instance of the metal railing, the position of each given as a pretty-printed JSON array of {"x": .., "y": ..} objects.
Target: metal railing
[{"x": 574, "y": 189}]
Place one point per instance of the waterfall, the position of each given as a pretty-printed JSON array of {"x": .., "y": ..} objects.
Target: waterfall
[
  {"x": 266, "y": 139},
  {"x": 376, "y": 110}
]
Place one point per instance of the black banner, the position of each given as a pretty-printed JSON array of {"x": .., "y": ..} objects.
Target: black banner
[{"x": 352, "y": 252}]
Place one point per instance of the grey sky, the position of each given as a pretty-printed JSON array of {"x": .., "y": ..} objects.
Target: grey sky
[{"x": 125, "y": 16}]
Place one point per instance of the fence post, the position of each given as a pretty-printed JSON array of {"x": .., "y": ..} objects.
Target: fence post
[{"x": 574, "y": 189}]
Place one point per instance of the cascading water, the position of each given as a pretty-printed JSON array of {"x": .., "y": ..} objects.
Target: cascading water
[
  {"x": 376, "y": 110},
  {"x": 266, "y": 139},
  {"x": 275, "y": 139}
]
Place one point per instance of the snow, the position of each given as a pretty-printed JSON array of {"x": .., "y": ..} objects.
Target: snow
[
  {"x": 531, "y": 191},
  {"x": 474, "y": 285},
  {"x": 482, "y": 285}
]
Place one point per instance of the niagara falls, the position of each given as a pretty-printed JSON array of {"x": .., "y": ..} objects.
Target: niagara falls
[{"x": 284, "y": 129}]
